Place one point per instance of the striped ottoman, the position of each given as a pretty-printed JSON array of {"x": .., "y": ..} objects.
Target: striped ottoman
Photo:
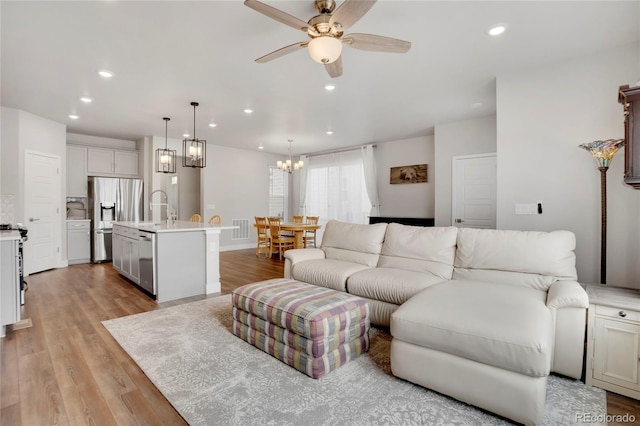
[{"x": 313, "y": 329}]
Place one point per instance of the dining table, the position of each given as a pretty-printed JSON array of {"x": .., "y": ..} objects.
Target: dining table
[{"x": 298, "y": 230}]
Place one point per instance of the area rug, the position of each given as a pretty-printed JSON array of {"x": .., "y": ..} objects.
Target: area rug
[{"x": 212, "y": 377}]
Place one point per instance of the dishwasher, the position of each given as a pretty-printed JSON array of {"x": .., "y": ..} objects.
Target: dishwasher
[{"x": 147, "y": 252}]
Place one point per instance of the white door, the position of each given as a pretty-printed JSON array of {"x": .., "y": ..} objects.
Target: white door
[
  {"x": 42, "y": 211},
  {"x": 474, "y": 191}
]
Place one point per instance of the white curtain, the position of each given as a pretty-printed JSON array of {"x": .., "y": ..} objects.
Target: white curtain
[
  {"x": 336, "y": 188},
  {"x": 303, "y": 186},
  {"x": 371, "y": 178}
]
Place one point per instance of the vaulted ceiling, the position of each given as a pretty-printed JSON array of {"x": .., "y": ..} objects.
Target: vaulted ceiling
[{"x": 166, "y": 54}]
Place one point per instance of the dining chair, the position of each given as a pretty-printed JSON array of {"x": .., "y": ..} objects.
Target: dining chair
[
  {"x": 297, "y": 219},
  {"x": 276, "y": 239},
  {"x": 310, "y": 236},
  {"x": 215, "y": 220},
  {"x": 195, "y": 218},
  {"x": 264, "y": 245}
]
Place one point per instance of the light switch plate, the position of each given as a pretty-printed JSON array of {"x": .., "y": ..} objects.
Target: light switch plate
[{"x": 526, "y": 209}]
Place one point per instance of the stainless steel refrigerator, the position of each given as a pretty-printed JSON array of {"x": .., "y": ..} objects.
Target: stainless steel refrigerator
[{"x": 111, "y": 200}]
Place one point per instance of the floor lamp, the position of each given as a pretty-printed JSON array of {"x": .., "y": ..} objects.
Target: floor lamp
[{"x": 603, "y": 152}]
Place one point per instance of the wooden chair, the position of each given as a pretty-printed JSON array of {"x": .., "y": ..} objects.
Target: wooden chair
[
  {"x": 277, "y": 240},
  {"x": 215, "y": 220},
  {"x": 196, "y": 218},
  {"x": 297, "y": 219},
  {"x": 264, "y": 245},
  {"x": 310, "y": 236}
]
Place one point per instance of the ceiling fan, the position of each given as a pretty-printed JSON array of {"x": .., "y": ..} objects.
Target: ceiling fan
[{"x": 326, "y": 31}]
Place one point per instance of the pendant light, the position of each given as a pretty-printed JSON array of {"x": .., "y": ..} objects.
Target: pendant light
[
  {"x": 165, "y": 158},
  {"x": 288, "y": 165},
  {"x": 194, "y": 150}
]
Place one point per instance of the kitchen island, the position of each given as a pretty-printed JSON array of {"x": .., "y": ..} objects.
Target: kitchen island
[{"x": 169, "y": 260}]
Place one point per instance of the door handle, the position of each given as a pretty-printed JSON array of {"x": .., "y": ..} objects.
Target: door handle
[
  {"x": 33, "y": 219},
  {"x": 459, "y": 220}
]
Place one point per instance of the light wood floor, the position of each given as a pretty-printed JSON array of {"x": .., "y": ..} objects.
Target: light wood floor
[{"x": 67, "y": 369}]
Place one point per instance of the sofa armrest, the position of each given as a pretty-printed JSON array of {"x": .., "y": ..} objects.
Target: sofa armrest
[
  {"x": 291, "y": 257},
  {"x": 567, "y": 294}
]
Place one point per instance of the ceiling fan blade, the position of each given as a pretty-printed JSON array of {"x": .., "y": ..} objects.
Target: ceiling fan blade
[
  {"x": 376, "y": 43},
  {"x": 350, "y": 11},
  {"x": 282, "y": 51},
  {"x": 277, "y": 14},
  {"x": 334, "y": 68}
]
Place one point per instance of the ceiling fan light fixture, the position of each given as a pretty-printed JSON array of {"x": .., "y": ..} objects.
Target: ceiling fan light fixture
[{"x": 325, "y": 49}]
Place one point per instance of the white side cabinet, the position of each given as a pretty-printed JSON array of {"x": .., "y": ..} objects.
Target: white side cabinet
[
  {"x": 9, "y": 279},
  {"x": 109, "y": 162},
  {"x": 76, "y": 171},
  {"x": 126, "y": 253},
  {"x": 78, "y": 241},
  {"x": 613, "y": 339}
]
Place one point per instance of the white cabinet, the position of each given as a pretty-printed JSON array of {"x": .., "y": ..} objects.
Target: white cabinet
[
  {"x": 76, "y": 171},
  {"x": 9, "y": 280},
  {"x": 109, "y": 162},
  {"x": 613, "y": 342},
  {"x": 125, "y": 252},
  {"x": 78, "y": 241}
]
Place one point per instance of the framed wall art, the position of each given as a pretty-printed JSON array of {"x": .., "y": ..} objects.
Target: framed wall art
[{"x": 409, "y": 174}]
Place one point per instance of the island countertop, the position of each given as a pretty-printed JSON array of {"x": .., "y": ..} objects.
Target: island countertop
[{"x": 176, "y": 226}]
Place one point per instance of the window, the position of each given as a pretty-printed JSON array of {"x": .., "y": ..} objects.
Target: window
[
  {"x": 278, "y": 192},
  {"x": 336, "y": 188}
]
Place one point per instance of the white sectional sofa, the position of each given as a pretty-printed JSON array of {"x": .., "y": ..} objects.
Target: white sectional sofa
[{"x": 480, "y": 315}]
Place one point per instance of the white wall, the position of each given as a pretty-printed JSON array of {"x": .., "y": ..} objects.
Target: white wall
[
  {"x": 237, "y": 182},
  {"x": 77, "y": 139},
  {"x": 542, "y": 117},
  {"x": 476, "y": 136},
  {"x": 406, "y": 200},
  {"x": 25, "y": 131}
]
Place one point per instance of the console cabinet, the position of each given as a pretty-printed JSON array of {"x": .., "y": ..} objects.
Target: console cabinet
[
  {"x": 629, "y": 97},
  {"x": 613, "y": 339}
]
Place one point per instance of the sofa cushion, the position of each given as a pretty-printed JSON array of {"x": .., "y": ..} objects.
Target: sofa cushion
[
  {"x": 351, "y": 242},
  {"x": 328, "y": 273},
  {"x": 389, "y": 285},
  {"x": 502, "y": 325},
  {"x": 539, "y": 258},
  {"x": 420, "y": 249}
]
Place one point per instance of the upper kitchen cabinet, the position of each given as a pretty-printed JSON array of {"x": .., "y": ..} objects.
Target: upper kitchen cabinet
[
  {"x": 76, "y": 171},
  {"x": 110, "y": 162}
]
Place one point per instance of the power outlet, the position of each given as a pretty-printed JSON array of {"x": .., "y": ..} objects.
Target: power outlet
[{"x": 211, "y": 206}]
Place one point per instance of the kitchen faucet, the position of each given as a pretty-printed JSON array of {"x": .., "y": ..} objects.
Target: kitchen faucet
[{"x": 166, "y": 197}]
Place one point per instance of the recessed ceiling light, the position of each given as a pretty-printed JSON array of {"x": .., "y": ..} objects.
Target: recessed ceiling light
[
  {"x": 260, "y": 146},
  {"x": 105, "y": 73},
  {"x": 329, "y": 87},
  {"x": 73, "y": 116},
  {"x": 86, "y": 99},
  {"x": 212, "y": 124},
  {"x": 248, "y": 110},
  {"x": 497, "y": 29},
  {"x": 185, "y": 135},
  {"x": 329, "y": 132},
  {"x": 476, "y": 105}
]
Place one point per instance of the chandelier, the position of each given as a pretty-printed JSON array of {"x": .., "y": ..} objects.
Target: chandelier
[
  {"x": 194, "y": 152},
  {"x": 288, "y": 165},
  {"x": 165, "y": 158}
]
